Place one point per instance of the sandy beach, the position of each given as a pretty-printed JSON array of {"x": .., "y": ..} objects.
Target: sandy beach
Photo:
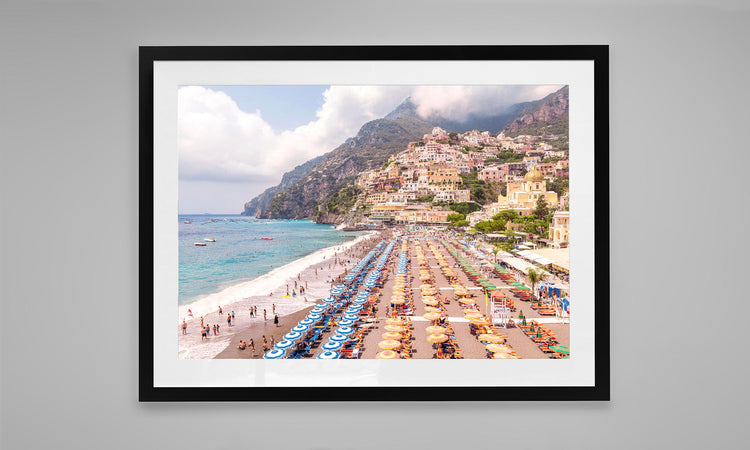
[{"x": 257, "y": 293}]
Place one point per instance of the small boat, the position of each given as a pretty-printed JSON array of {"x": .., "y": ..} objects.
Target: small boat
[
  {"x": 266, "y": 238},
  {"x": 200, "y": 244},
  {"x": 210, "y": 240}
]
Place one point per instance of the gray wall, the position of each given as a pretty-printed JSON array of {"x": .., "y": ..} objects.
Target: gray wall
[{"x": 68, "y": 121}]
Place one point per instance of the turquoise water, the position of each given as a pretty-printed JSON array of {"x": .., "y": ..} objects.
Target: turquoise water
[{"x": 239, "y": 254}]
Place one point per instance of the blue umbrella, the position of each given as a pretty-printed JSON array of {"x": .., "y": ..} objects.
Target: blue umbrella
[
  {"x": 354, "y": 308},
  {"x": 292, "y": 335},
  {"x": 329, "y": 300},
  {"x": 328, "y": 355},
  {"x": 345, "y": 330},
  {"x": 351, "y": 317},
  {"x": 318, "y": 309},
  {"x": 313, "y": 316},
  {"x": 332, "y": 345},
  {"x": 339, "y": 338},
  {"x": 306, "y": 322},
  {"x": 285, "y": 344},
  {"x": 276, "y": 353},
  {"x": 300, "y": 328},
  {"x": 360, "y": 301},
  {"x": 345, "y": 322}
]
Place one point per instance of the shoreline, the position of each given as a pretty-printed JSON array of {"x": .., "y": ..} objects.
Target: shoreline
[{"x": 255, "y": 293}]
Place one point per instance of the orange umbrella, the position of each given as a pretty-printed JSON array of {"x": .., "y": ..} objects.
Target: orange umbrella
[
  {"x": 432, "y": 309},
  {"x": 398, "y": 301},
  {"x": 480, "y": 321},
  {"x": 391, "y": 335},
  {"x": 437, "y": 338},
  {"x": 394, "y": 321},
  {"x": 389, "y": 344},
  {"x": 473, "y": 315},
  {"x": 491, "y": 338},
  {"x": 429, "y": 301},
  {"x": 434, "y": 329},
  {"x": 497, "y": 348},
  {"x": 387, "y": 354},
  {"x": 467, "y": 301},
  {"x": 431, "y": 316},
  {"x": 395, "y": 328}
]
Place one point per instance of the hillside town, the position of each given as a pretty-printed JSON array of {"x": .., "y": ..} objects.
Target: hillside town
[{"x": 466, "y": 180}]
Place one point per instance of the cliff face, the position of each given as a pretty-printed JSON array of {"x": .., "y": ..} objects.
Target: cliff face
[
  {"x": 373, "y": 145},
  {"x": 257, "y": 205},
  {"x": 549, "y": 116}
]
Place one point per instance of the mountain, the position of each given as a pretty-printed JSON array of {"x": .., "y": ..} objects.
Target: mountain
[
  {"x": 546, "y": 116},
  {"x": 321, "y": 188},
  {"x": 257, "y": 205}
]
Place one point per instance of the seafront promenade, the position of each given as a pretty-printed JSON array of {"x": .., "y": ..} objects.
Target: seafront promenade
[{"x": 417, "y": 296}]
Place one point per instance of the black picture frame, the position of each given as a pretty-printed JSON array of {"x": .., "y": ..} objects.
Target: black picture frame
[{"x": 599, "y": 54}]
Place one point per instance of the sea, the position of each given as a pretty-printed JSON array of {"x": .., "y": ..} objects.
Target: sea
[{"x": 239, "y": 254}]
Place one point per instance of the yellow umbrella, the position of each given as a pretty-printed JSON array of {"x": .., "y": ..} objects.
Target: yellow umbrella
[
  {"x": 389, "y": 344},
  {"x": 432, "y": 309},
  {"x": 398, "y": 301},
  {"x": 504, "y": 356},
  {"x": 395, "y": 328},
  {"x": 391, "y": 335},
  {"x": 497, "y": 348},
  {"x": 431, "y": 316},
  {"x": 394, "y": 321},
  {"x": 467, "y": 301},
  {"x": 387, "y": 354},
  {"x": 480, "y": 321},
  {"x": 491, "y": 338},
  {"x": 429, "y": 301},
  {"x": 437, "y": 338},
  {"x": 434, "y": 329},
  {"x": 473, "y": 315}
]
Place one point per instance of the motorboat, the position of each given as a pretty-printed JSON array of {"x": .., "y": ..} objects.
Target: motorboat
[
  {"x": 209, "y": 240},
  {"x": 200, "y": 244},
  {"x": 266, "y": 238}
]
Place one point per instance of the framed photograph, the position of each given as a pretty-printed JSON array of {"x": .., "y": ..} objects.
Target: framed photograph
[{"x": 374, "y": 223}]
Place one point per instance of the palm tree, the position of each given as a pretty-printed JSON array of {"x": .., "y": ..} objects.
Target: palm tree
[{"x": 535, "y": 277}]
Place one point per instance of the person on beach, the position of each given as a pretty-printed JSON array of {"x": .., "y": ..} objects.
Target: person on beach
[
  {"x": 251, "y": 312},
  {"x": 276, "y": 320},
  {"x": 214, "y": 329},
  {"x": 218, "y": 329},
  {"x": 265, "y": 315},
  {"x": 229, "y": 320},
  {"x": 184, "y": 327},
  {"x": 252, "y": 346},
  {"x": 273, "y": 341},
  {"x": 201, "y": 321},
  {"x": 287, "y": 290},
  {"x": 242, "y": 345},
  {"x": 265, "y": 344},
  {"x": 273, "y": 308},
  {"x": 220, "y": 310},
  {"x": 232, "y": 315},
  {"x": 203, "y": 334}
]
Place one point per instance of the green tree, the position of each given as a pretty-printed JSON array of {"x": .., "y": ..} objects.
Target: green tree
[
  {"x": 542, "y": 208},
  {"x": 465, "y": 208},
  {"x": 455, "y": 217},
  {"x": 535, "y": 277}
]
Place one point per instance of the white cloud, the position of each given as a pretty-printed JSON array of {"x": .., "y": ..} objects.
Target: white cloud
[
  {"x": 459, "y": 102},
  {"x": 220, "y": 142}
]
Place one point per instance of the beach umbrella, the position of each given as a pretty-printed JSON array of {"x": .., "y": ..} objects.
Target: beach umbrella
[
  {"x": 434, "y": 329},
  {"x": 339, "y": 338},
  {"x": 360, "y": 301},
  {"x": 345, "y": 323},
  {"x": 389, "y": 344},
  {"x": 391, "y": 335},
  {"x": 437, "y": 338},
  {"x": 314, "y": 316},
  {"x": 329, "y": 300},
  {"x": 497, "y": 348},
  {"x": 293, "y": 335},
  {"x": 470, "y": 314},
  {"x": 345, "y": 330},
  {"x": 328, "y": 355},
  {"x": 397, "y": 301},
  {"x": 429, "y": 301},
  {"x": 560, "y": 349},
  {"x": 504, "y": 356},
  {"x": 285, "y": 344},
  {"x": 396, "y": 328},
  {"x": 354, "y": 308},
  {"x": 276, "y": 353},
  {"x": 431, "y": 316},
  {"x": 332, "y": 345},
  {"x": 394, "y": 321},
  {"x": 479, "y": 321},
  {"x": 307, "y": 322},
  {"x": 387, "y": 354},
  {"x": 491, "y": 338},
  {"x": 432, "y": 309},
  {"x": 300, "y": 328},
  {"x": 467, "y": 301},
  {"x": 351, "y": 316}
]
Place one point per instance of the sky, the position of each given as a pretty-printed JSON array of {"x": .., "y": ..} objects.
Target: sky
[{"x": 236, "y": 141}]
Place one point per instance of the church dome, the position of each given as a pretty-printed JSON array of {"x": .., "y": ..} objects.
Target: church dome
[{"x": 534, "y": 175}]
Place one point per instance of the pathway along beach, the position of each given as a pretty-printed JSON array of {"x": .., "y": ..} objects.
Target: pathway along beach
[{"x": 423, "y": 261}]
